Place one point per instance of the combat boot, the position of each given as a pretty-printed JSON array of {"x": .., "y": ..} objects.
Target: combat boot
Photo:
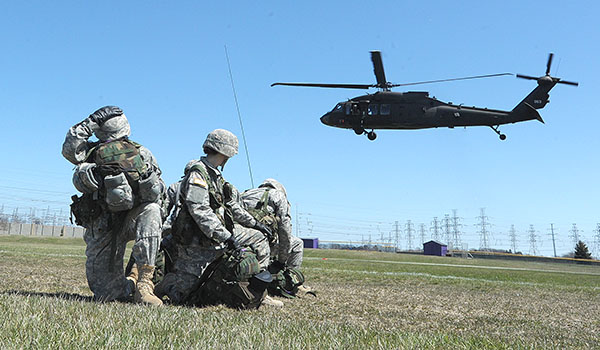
[
  {"x": 133, "y": 275},
  {"x": 303, "y": 290},
  {"x": 268, "y": 301},
  {"x": 144, "y": 289}
]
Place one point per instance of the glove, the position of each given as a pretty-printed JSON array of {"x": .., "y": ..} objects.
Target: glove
[
  {"x": 278, "y": 265},
  {"x": 232, "y": 244},
  {"x": 264, "y": 229},
  {"x": 105, "y": 113}
]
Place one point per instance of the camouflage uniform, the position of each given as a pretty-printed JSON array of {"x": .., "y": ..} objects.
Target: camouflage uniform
[
  {"x": 205, "y": 230},
  {"x": 285, "y": 248},
  {"x": 205, "y": 221},
  {"x": 142, "y": 223}
]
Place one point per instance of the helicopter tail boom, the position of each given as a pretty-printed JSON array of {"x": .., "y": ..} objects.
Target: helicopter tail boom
[{"x": 525, "y": 111}]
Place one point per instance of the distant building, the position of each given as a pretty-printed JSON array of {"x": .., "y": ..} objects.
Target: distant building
[
  {"x": 435, "y": 248},
  {"x": 310, "y": 242}
]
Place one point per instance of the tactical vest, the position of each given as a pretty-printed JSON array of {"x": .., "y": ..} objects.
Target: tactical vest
[
  {"x": 118, "y": 156},
  {"x": 185, "y": 228},
  {"x": 261, "y": 213}
]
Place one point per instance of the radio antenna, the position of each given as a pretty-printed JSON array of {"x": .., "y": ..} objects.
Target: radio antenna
[{"x": 237, "y": 106}]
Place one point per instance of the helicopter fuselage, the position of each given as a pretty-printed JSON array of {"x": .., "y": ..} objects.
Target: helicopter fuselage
[{"x": 412, "y": 110}]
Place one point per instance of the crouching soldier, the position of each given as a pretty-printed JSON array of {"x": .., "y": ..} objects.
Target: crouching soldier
[
  {"x": 121, "y": 186},
  {"x": 203, "y": 230},
  {"x": 268, "y": 203}
]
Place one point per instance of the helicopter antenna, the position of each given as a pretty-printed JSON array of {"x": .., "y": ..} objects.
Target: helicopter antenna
[{"x": 237, "y": 106}]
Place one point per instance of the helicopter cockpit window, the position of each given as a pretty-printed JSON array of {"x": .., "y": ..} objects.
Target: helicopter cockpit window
[
  {"x": 373, "y": 109},
  {"x": 338, "y": 107},
  {"x": 385, "y": 109},
  {"x": 348, "y": 108}
]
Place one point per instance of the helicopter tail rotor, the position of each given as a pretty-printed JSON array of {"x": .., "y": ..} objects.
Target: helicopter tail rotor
[{"x": 548, "y": 78}]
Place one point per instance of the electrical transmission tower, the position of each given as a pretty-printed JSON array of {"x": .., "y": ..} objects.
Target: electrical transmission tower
[
  {"x": 435, "y": 228},
  {"x": 456, "y": 225},
  {"x": 596, "y": 248},
  {"x": 483, "y": 230},
  {"x": 409, "y": 234},
  {"x": 532, "y": 240},
  {"x": 397, "y": 232},
  {"x": 447, "y": 229},
  {"x": 513, "y": 238},
  {"x": 575, "y": 234},
  {"x": 422, "y": 233}
]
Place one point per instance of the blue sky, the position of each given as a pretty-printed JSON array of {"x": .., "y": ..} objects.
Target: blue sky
[{"x": 164, "y": 63}]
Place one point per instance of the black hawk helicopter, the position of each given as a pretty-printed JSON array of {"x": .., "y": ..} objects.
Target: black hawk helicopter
[{"x": 416, "y": 110}]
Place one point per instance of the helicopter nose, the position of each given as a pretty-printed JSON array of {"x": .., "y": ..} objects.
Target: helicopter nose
[{"x": 325, "y": 119}]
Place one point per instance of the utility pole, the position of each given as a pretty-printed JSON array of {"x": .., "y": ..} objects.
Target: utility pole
[
  {"x": 575, "y": 234},
  {"x": 532, "y": 241},
  {"x": 553, "y": 241},
  {"x": 456, "y": 229},
  {"x": 483, "y": 231},
  {"x": 436, "y": 229},
  {"x": 513, "y": 238},
  {"x": 409, "y": 233}
]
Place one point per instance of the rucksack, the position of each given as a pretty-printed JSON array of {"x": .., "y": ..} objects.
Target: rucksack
[
  {"x": 117, "y": 156},
  {"x": 234, "y": 280},
  {"x": 286, "y": 282}
]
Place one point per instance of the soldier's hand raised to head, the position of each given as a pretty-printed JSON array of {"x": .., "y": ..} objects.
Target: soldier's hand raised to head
[{"x": 105, "y": 113}]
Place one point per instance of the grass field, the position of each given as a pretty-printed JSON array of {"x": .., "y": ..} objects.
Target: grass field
[{"x": 366, "y": 300}]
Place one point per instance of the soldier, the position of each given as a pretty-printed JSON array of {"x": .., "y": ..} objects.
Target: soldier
[
  {"x": 122, "y": 190},
  {"x": 268, "y": 203},
  {"x": 204, "y": 226}
]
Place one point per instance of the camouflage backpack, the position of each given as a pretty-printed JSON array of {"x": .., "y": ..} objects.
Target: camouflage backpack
[
  {"x": 286, "y": 282},
  {"x": 234, "y": 280},
  {"x": 119, "y": 156}
]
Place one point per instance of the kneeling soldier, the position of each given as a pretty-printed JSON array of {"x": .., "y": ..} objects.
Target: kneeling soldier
[{"x": 122, "y": 190}]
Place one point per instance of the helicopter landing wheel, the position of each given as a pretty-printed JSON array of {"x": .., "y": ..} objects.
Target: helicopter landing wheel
[
  {"x": 359, "y": 131},
  {"x": 495, "y": 128},
  {"x": 371, "y": 135}
]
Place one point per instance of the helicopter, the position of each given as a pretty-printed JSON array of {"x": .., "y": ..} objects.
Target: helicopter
[{"x": 385, "y": 109}]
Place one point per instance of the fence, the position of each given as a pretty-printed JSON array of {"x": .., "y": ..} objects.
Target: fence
[{"x": 40, "y": 230}]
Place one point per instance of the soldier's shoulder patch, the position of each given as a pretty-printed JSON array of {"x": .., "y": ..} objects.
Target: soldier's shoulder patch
[{"x": 196, "y": 179}]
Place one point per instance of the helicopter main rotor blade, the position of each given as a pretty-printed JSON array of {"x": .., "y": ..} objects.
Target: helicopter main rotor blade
[
  {"x": 378, "y": 69},
  {"x": 341, "y": 86},
  {"x": 452, "y": 79},
  {"x": 550, "y": 56},
  {"x": 527, "y": 77},
  {"x": 568, "y": 82}
]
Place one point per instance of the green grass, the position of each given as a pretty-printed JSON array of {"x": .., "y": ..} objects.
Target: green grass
[{"x": 365, "y": 300}]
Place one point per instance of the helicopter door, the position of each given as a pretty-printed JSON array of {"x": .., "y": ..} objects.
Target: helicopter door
[{"x": 373, "y": 109}]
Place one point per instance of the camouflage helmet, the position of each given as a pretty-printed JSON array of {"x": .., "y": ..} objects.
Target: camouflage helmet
[
  {"x": 222, "y": 141},
  {"x": 113, "y": 129},
  {"x": 84, "y": 179},
  {"x": 274, "y": 184}
]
